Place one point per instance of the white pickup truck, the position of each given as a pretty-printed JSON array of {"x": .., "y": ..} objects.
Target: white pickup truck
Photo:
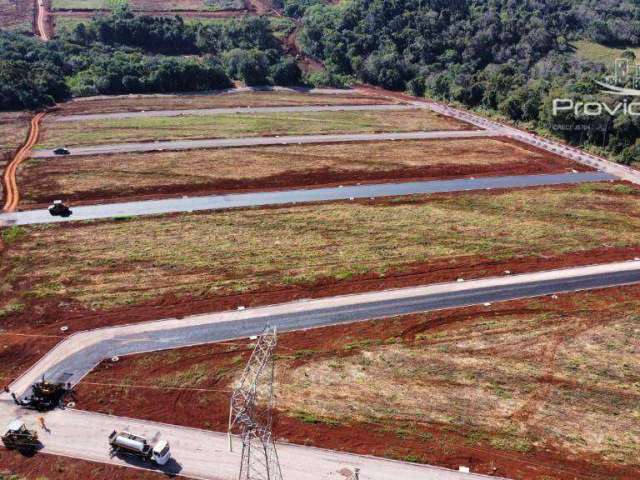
[{"x": 125, "y": 442}]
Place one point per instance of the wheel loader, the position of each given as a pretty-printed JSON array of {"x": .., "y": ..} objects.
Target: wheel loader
[{"x": 19, "y": 437}]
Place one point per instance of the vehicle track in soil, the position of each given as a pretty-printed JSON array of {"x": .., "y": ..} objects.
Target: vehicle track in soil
[
  {"x": 41, "y": 24},
  {"x": 12, "y": 194}
]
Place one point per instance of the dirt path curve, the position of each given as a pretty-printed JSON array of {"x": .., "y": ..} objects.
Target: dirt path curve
[
  {"x": 12, "y": 195},
  {"x": 41, "y": 21}
]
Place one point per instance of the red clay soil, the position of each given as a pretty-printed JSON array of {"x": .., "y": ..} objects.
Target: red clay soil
[
  {"x": 306, "y": 63},
  {"x": 18, "y": 353},
  {"x": 39, "y": 179},
  {"x": 47, "y": 315},
  {"x": 52, "y": 467},
  {"x": 428, "y": 443}
]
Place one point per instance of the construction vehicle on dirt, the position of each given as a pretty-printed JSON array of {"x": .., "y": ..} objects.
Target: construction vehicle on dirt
[
  {"x": 19, "y": 437},
  {"x": 44, "y": 396},
  {"x": 130, "y": 444}
]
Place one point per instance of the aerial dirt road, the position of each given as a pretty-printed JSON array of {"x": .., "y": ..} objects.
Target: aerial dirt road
[
  {"x": 41, "y": 27},
  {"x": 295, "y": 196},
  {"x": 202, "y": 454},
  {"x": 175, "y": 145},
  {"x": 226, "y": 111},
  {"x": 12, "y": 194}
]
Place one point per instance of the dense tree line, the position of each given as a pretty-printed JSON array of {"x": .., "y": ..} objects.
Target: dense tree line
[
  {"x": 506, "y": 56},
  {"x": 125, "y": 53}
]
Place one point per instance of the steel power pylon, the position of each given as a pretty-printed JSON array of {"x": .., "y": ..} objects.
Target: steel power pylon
[{"x": 251, "y": 412}]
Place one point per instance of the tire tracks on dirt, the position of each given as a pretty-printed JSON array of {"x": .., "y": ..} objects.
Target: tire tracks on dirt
[
  {"x": 11, "y": 192},
  {"x": 41, "y": 24}
]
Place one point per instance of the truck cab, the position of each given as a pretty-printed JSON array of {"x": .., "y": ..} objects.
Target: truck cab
[{"x": 160, "y": 453}]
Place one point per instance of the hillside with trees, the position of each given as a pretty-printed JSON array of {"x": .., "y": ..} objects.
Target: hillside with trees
[
  {"x": 505, "y": 56},
  {"x": 125, "y": 53}
]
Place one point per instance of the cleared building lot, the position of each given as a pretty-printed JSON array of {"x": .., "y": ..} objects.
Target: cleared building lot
[
  {"x": 120, "y": 176},
  {"x": 204, "y": 262},
  {"x": 547, "y": 383},
  {"x": 240, "y": 125},
  {"x": 267, "y": 98}
]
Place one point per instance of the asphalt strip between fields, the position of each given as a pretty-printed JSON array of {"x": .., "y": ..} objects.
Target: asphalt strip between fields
[{"x": 261, "y": 199}]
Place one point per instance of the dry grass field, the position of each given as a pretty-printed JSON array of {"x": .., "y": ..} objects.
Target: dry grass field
[
  {"x": 17, "y": 15},
  {"x": 14, "y": 127},
  {"x": 137, "y": 103},
  {"x": 544, "y": 383},
  {"x": 239, "y": 125},
  {"x": 113, "y": 177},
  {"x": 150, "y": 6},
  {"x": 110, "y": 263}
]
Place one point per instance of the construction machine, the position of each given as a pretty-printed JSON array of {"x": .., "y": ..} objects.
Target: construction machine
[
  {"x": 19, "y": 437},
  {"x": 44, "y": 396}
]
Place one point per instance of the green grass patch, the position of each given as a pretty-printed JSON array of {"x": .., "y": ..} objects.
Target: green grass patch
[
  {"x": 600, "y": 53},
  {"x": 12, "y": 234}
]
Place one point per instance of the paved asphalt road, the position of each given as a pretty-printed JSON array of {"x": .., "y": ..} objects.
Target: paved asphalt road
[
  {"x": 223, "y": 111},
  {"x": 240, "y": 200},
  {"x": 80, "y": 353},
  {"x": 201, "y": 454},
  {"x": 260, "y": 141}
]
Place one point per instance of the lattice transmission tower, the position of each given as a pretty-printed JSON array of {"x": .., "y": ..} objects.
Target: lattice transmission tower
[{"x": 251, "y": 412}]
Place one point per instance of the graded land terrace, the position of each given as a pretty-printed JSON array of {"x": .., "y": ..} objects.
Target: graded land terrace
[
  {"x": 17, "y": 15},
  {"x": 14, "y": 127},
  {"x": 273, "y": 98},
  {"x": 91, "y": 274},
  {"x": 240, "y": 125},
  {"x": 149, "y": 5},
  {"x": 121, "y": 177},
  {"x": 529, "y": 389}
]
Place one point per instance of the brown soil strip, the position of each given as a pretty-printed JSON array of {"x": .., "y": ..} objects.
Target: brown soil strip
[
  {"x": 11, "y": 191},
  {"x": 43, "y": 466},
  {"x": 19, "y": 352},
  {"x": 139, "y": 103}
]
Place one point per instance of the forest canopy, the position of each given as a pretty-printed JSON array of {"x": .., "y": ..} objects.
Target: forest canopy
[{"x": 126, "y": 53}]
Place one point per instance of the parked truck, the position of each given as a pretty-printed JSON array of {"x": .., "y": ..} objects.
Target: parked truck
[{"x": 128, "y": 443}]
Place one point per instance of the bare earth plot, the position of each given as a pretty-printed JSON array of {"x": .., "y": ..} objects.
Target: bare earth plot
[
  {"x": 240, "y": 125},
  {"x": 120, "y": 177},
  {"x": 149, "y": 5},
  {"x": 530, "y": 389},
  {"x": 17, "y": 15},
  {"x": 91, "y": 274},
  {"x": 49, "y": 467},
  {"x": 138, "y": 103},
  {"x": 14, "y": 127}
]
